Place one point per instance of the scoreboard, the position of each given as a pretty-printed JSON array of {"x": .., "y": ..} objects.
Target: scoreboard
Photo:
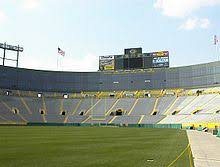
[{"x": 133, "y": 58}]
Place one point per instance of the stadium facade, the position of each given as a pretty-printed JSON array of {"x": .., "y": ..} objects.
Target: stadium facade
[{"x": 202, "y": 75}]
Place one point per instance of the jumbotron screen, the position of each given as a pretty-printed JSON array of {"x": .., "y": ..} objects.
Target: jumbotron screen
[{"x": 133, "y": 63}]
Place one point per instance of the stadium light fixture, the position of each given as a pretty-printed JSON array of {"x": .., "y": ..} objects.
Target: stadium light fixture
[
  {"x": 65, "y": 96},
  {"x": 39, "y": 95}
]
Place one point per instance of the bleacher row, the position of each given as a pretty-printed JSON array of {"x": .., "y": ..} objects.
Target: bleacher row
[{"x": 185, "y": 108}]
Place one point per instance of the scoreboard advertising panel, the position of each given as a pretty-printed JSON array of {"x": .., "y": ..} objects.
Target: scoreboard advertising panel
[
  {"x": 160, "y": 59},
  {"x": 106, "y": 63}
]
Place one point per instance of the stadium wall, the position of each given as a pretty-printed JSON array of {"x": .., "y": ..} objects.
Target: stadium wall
[{"x": 202, "y": 75}]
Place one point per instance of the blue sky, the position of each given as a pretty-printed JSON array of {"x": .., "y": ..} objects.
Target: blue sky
[{"x": 87, "y": 29}]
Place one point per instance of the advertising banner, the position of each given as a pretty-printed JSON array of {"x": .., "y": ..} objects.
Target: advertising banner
[
  {"x": 160, "y": 53},
  {"x": 106, "y": 63},
  {"x": 160, "y": 62}
]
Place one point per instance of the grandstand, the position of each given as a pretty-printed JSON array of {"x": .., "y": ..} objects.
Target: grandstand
[
  {"x": 176, "y": 109},
  {"x": 180, "y": 95}
]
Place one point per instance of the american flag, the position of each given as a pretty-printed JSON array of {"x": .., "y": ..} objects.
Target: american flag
[
  {"x": 61, "y": 52},
  {"x": 215, "y": 39}
]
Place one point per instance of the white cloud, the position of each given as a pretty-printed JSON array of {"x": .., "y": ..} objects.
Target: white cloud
[
  {"x": 182, "y": 8},
  {"x": 30, "y": 4},
  {"x": 3, "y": 17},
  {"x": 204, "y": 23},
  {"x": 193, "y": 23}
]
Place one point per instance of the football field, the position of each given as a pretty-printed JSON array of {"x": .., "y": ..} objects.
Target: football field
[{"x": 93, "y": 146}]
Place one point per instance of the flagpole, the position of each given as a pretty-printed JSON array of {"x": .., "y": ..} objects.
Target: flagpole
[
  {"x": 217, "y": 53},
  {"x": 57, "y": 62},
  {"x": 216, "y": 50},
  {"x": 216, "y": 46},
  {"x": 60, "y": 52}
]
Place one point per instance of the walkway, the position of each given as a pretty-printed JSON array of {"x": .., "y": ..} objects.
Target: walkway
[{"x": 205, "y": 148}]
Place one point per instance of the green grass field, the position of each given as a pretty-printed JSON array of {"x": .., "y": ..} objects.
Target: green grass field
[{"x": 91, "y": 146}]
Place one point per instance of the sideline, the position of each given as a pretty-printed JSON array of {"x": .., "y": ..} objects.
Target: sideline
[{"x": 190, "y": 159}]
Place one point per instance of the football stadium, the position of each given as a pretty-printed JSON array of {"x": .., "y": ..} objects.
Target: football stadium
[
  {"x": 135, "y": 110},
  {"x": 121, "y": 115}
]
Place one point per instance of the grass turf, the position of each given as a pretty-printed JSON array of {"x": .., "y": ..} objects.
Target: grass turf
[{"x": 91, "y": 146}]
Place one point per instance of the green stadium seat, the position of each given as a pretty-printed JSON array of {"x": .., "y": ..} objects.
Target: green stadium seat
[{"x": 218, "y": 134}]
